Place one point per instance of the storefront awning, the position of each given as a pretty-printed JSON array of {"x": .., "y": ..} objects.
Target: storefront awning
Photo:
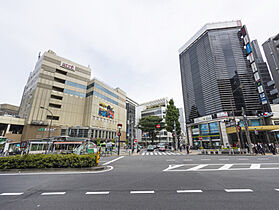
[
  {"x": 68, "y": 142},
  {"x": 271, "y": 128}
]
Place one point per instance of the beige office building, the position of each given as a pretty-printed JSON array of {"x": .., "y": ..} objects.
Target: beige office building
[{"x": 61, "y": 91}]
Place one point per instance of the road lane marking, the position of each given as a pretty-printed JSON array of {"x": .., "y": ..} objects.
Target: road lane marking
[
  {"x": 170, "y": 160},
  {"x": 113, "y": 160},
  {"x": 224, "y": 159},
  {"x": 147, "y": 153},
  {"x": 151, "y": 153},
  {"x": 188, "y": 160},
  {"x": 53, "y": 193},
  {"x": 276, "y": 189},
  {"x": 172, "y": 167},
  {"x": 189, "y": 191},
  {"x": 164, "y": 153},
  {"x": 168, "y": 153},
  {"x": 255, "y": 166},
  {"x": 97, "y": 193},
  {"x": 12, "y": 193},
  {"x": 262, "y": 158},
  {"x": 197, "y": 167},
  {"x": 155, "y": 153},
  {"x": 225, "y": 167},
  {"x": 222, "y": 167},
  {"x": 143, "y": 153},
  {"x": 238, "y": 190},
  {"x": 205, "y": 159},
  {"x": 242, "y": 159},
  {"x": 142, "y": 192},
  {"x": 160, "y": 153}
]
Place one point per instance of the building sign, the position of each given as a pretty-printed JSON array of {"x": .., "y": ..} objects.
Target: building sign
[
  {"x": 204, "y": 118},
  {"x": 67, "y": 66},
  {"x": 106, "y": 111},
  {"x": 251, "y": 59},
  {"x": 222, "y": 114}
]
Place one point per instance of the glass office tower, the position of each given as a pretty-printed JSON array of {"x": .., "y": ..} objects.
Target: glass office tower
[{"x": 216, "y": 75}]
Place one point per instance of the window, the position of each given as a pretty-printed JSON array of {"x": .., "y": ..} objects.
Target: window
[
  {"x": 59, "y": 80},
  {"x": 75, "y": 93},
  {"x": 76, "y": 85},
  {"x": 55, "y": 105},
  {"x": 57, "y": 89},
  {"x": 102, "y": 96},
  {"x": 56, "y": 97},
  {"x": 53, "y": 118},
  {"x": 61, "y": 72}
]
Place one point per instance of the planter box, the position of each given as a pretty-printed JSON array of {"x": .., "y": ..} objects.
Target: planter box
[{"x": 226, "y": 151}]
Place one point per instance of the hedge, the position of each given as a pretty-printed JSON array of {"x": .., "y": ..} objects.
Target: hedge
[{"x": 48, "y": 161}]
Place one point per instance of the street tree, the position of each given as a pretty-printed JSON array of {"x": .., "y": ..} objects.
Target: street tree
[
  {"x": 149, "y": 124},
  {"x": 172, "y": 115}
]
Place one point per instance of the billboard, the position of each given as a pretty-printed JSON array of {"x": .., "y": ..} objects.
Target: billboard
[{"x": 106, "y": 111}]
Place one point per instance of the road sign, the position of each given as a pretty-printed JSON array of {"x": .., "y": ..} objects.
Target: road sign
[
  {"x": 158, "y": 126},
  {"x": 136, "y": 140},
  {"x": 200, "y": 138}
]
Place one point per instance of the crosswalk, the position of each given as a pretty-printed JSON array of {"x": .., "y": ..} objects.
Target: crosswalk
[
  {"x": 159, "y": 153},
  {"x": 222, "y": 167}
]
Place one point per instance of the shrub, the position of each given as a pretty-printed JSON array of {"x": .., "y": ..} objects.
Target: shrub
[{"x": 48, "y": 161}]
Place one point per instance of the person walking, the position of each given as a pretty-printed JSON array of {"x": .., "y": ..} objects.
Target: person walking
[{"x": 187, "y": 148}]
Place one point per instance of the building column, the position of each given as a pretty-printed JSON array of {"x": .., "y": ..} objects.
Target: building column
[
  {"x": 94, "y": 133},
  {"x": 190, "y": 136},
  {"x": 223, "y": 134},
  {"x": 8, "y": 129}
]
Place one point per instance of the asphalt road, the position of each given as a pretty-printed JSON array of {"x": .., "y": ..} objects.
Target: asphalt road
[{"x": 152, "y": 181}]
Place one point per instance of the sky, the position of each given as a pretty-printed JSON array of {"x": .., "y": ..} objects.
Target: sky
[{"x": 128, "y": 44}]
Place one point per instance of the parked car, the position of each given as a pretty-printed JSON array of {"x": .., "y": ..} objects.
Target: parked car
[
  {"x": 162, "y": 148},
  {"x": 150, "y": 148}
]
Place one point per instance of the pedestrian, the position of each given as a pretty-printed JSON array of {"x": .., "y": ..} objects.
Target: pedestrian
[
  {"x": 180, "y": 147},
  {"x": 187, "y": 148}
]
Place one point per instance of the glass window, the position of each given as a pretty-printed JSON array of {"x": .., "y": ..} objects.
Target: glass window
[
  {"x": 84, "y": 87},
  {"x": 105, "y": 90},
  {"x": 204, "y": 129},
  {"x": 213, "y": 127},
  {"x": 75, "y": 93}
]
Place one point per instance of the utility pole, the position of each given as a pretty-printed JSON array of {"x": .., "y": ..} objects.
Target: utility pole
[
  {"x": 246, "y": 130},
  {"x": 132, "y": 136},
  {"x": 174, "y": 125}
]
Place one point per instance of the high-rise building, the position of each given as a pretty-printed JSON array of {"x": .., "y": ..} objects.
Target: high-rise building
[
  {"x": 59, "y": 92},
  {"x": 216, "y": 73},
  {"x": 264, "y": 75},
  {"x": 271, "y": 50}
]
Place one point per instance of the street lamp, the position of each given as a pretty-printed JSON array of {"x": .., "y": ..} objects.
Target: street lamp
[
  {"x": 119, "y": 126},
  {"x": 49, "y": 126},
  {"x": 236, "y": 129}
]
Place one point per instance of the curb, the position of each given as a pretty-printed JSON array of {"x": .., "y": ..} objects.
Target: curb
[{"x": 15, "y": 171}]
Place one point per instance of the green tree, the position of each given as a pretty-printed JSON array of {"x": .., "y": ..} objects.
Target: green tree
[
  {"x": 148, "y": 124},
  {"x": 172, "y": 115}
]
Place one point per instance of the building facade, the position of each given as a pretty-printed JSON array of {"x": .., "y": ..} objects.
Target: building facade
[
  {"x": 264, "y": 76},
  {"x": 152, "y": 108},
  {"x": 213, "y": 66},
  {"x": 271, "y": 50},
  {"x": 131, "y": 121},
  {"x": 59, "y": 92},
  {"x": 223, "y": 79}
]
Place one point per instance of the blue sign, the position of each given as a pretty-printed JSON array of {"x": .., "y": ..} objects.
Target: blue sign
[
  {"x": 278, "y": 135},
  {"x": 204, "y": 129},
  {"x": 213, "y": 127},
  {"x": 248, "y": 48}
]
